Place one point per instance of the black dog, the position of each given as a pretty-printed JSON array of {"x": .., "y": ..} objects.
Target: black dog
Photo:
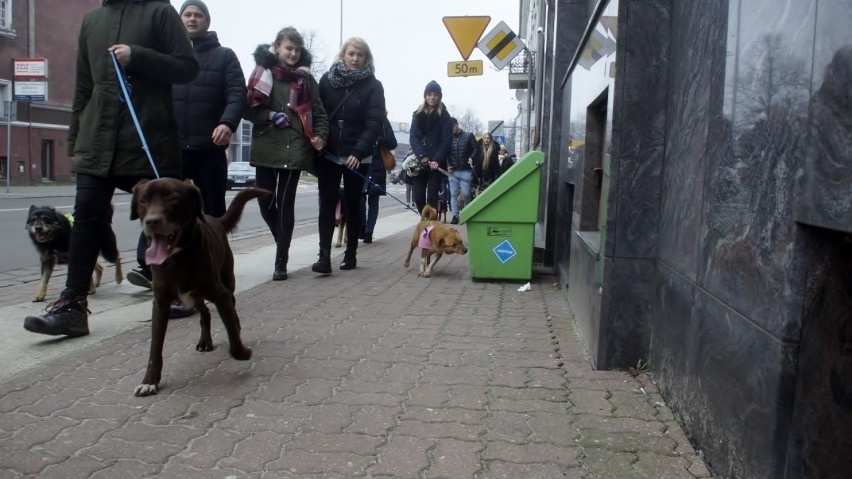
[{"x": 50, "y": 232}]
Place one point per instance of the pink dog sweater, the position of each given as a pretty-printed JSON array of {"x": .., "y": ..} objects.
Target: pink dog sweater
[{"x": 424, "y": 242}]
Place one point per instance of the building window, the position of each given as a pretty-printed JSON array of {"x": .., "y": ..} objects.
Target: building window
[{"x": 5, "y": 14}]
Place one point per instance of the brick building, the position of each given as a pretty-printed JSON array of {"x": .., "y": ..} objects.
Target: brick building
[{"x": 45, "y": 29}]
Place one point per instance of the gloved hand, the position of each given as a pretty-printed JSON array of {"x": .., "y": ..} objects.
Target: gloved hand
[{"x": 280, "y": 120}]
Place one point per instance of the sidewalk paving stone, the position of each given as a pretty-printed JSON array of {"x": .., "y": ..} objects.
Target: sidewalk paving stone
[{"x": 373, "y": 372}]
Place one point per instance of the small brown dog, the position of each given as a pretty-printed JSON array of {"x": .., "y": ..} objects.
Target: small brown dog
[
  {"x": 190, "y": 259},
  {"x": 435, "y": 240}
]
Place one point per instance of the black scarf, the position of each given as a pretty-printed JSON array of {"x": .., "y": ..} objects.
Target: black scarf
[
  {"x": 339, "y": 75},
  {"x": 426, "y": 122}
]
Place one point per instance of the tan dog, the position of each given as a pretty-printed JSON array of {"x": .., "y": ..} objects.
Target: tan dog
[
  {"x": 190, "y": 259},
  {"x": 435, "y": 240}
]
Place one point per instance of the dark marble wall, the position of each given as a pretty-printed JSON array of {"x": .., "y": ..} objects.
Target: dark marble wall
[
  {"x": 738, "y": 127},
  {"x": 825, "y": 198},
  {"x": 565, "y": 23},
  {"x": 589, "y": 87},
  {"x": 724, "y": 257}
]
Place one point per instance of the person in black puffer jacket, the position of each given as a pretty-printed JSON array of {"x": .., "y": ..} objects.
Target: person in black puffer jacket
[
  {"x": 208, "y": 111},
  {"x": 355, "y": 102}
]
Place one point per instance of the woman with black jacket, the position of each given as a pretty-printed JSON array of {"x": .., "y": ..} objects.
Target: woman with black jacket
[
  {"x": 431, "y": 134},
  {"x": 355, "y": 102}
]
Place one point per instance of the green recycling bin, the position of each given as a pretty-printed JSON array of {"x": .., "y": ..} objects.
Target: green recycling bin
[{"x": 501, "y": 222}]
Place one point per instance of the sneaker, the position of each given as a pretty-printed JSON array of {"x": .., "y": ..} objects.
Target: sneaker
[
  {"x": 178, "y": 310},
  {"x": 454, "y": 221},
  {"x": 139, "y": 278},
  {"x": 69, "y": 317}
]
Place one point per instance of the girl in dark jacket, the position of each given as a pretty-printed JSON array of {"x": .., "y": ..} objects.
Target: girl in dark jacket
[
  {"x": 375, "y": 187},
  {"x": 290, "y": 125},
  {"x": 355, "y": 102},
  {"x": 431, "y": 134}
]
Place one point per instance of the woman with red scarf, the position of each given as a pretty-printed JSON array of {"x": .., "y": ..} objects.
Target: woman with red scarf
[{"x": 290, "y": 124}]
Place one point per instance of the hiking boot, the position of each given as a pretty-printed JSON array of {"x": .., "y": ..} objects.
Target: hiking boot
[
  {"x": 69, "y": 317},
  {"x": 455, "y": 220},
  {"x": 349, "y": 261},
  {"x": 178, "y": 310},
  {"x": 140, "y": 278},
  {"x": 323, "y": 264}
]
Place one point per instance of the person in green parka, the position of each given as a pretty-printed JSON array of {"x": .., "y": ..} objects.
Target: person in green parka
[
  {"x": 289, "y": 127},
  {"x": 151, "y": 44}
]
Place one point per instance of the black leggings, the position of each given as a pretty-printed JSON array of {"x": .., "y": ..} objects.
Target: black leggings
[
  {"x": 92, "y": 221},
  {"x": 425, "y": 188},
  {"x": 328, "y": 179},
  {"x": 278, "y": 210}
]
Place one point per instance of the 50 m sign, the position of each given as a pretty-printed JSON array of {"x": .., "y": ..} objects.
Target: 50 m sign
[{"x": 465, "y": 69}]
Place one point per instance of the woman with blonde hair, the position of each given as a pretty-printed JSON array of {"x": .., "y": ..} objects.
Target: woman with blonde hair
[
  {"x": 431, "y": 134},
  {"x": 486, "y": 164},
  {"x": 355, "y": 102}
]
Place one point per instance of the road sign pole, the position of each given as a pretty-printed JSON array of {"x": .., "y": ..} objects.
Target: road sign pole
[{"x": 8, "y": 105}]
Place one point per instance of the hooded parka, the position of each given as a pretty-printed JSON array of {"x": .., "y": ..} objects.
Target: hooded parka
[
  {"x": 286, "y": 148},
  {"x": 102, "y": 137}
]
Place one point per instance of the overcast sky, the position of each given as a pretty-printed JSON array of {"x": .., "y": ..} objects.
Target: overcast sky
[{"x": 408, "y": 39}]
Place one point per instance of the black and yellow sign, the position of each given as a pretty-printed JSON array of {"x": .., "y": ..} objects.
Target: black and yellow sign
[{"x": 501, "y": 45}]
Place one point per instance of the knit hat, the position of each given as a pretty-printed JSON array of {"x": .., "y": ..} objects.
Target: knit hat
[
  {"x": 433, "y": 87},
  {"x": 198, "y": 3}
]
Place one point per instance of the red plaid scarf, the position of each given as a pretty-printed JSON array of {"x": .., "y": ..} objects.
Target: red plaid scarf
[{"x": 260, "y": 91}]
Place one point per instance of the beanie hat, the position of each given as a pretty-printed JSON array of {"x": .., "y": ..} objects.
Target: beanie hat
[
  {"x": 433, "y": 87},
  {"x": 198, "y": 3}
]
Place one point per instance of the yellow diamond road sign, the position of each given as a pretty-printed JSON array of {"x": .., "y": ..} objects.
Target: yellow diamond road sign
[
  {"x": 466, "y": 32},
  {"x": 501, "y": 45}
]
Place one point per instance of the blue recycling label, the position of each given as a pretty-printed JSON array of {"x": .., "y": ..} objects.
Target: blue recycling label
[{"x": 504, "y": 251}]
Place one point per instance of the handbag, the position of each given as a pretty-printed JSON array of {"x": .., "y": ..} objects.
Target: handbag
[{"x": 388, "y": 160}]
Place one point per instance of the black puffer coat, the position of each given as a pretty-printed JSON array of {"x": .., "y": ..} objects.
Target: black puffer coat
[
  {"x": 357, "y": 124},
  {"x": 216, "y": 97},
  {"x": 463, "y": 147}
]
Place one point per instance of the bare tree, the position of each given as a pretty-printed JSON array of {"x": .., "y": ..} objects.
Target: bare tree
[
  {"x": 470, "y": 123},
  {"x": 314, "y": 44}
]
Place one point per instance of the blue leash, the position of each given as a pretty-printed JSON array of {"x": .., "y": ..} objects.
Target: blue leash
[{"x": 125, "y": 97}]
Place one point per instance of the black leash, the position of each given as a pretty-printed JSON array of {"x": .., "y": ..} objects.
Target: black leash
[{"x": 340, "y": 162}]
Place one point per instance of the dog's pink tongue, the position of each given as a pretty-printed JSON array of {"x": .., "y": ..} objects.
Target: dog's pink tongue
[{"x": 158, "y": 251}]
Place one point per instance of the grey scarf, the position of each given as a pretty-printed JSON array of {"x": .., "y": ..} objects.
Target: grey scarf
[{"x": 339, "y": 75}]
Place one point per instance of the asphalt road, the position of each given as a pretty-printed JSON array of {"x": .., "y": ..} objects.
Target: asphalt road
[{"x": 18, "y": 251}]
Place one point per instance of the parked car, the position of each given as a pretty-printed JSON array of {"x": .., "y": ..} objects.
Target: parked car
[
  {"x": 396, "y": 176},
  {"x": 241, "y": 174}
]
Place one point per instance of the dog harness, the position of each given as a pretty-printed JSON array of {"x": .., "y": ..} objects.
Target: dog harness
[{"x": 425, "y": 242}]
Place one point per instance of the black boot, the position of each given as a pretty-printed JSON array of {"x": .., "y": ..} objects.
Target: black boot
[
  {"x": 323, "y": 264},
  {"x": 69, "y": 317},
  {"x": 281, "y": 257},
  {"x": 349, "y": 261}
]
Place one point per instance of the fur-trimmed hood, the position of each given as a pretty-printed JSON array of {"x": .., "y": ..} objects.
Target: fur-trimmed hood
[{"x": 264, "y": 57}]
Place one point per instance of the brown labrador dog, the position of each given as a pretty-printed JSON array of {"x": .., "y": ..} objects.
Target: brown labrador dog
[
  {"x": 190, "y": 259},
  {"x": 434, "y": 239}
]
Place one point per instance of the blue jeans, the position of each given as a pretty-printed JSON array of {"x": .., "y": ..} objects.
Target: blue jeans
[{"x": 459, "y": 178}]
